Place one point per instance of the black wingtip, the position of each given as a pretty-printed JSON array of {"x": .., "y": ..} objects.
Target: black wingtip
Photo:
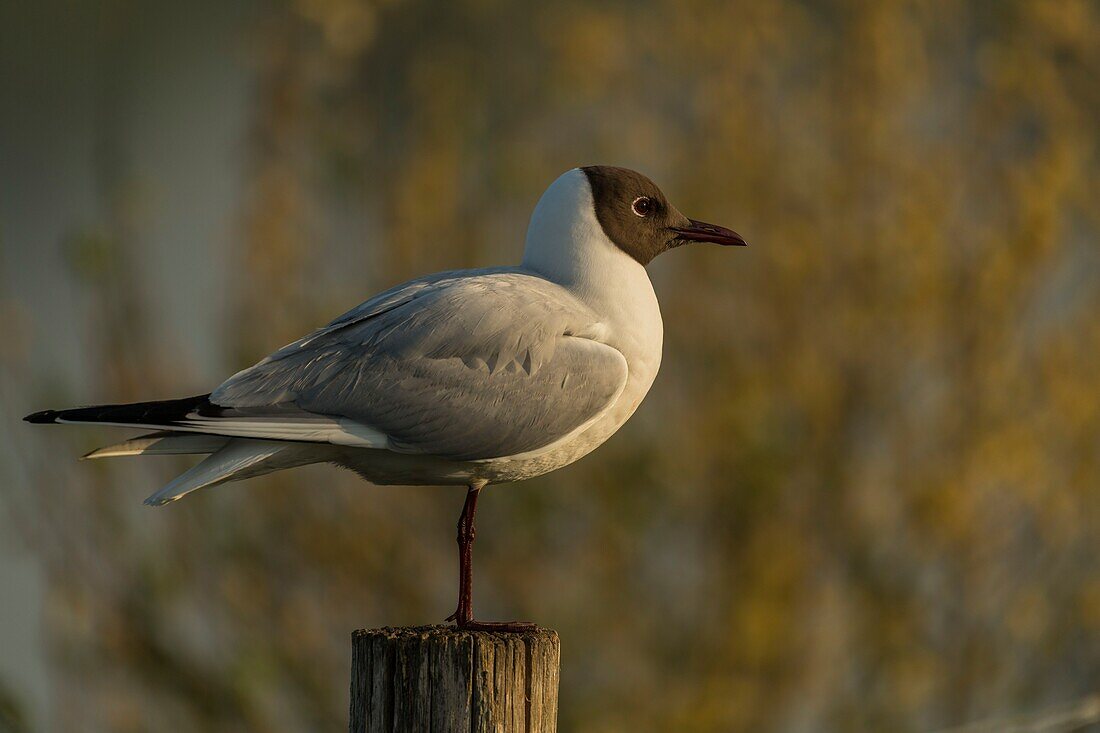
[
  {"x": 43, "y": 418},
  {"x": 160, "y": 412}
]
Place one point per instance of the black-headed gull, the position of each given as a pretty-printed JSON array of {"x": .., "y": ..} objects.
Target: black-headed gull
[{"x": 471, "y": 377}]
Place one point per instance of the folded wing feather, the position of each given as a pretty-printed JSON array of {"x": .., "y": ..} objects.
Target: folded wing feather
[{"x": 466, "y": 366}]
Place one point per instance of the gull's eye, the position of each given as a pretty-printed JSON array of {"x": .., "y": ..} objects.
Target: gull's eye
[{"x": 642, "y": 206}]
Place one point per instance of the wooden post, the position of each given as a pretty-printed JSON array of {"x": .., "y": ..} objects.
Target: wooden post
[{"x": 441, "y": 679}]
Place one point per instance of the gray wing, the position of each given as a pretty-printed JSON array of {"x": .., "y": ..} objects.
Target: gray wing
[{"x": 465, "y": 366}]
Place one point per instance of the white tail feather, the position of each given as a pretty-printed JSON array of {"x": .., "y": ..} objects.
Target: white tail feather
[
  {"x": 237, "y": 459},
  {"x": 162, "y": 443}
]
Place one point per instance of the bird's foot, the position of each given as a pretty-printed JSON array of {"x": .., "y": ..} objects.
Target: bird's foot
[
  {"x": 516, "y": 627},
  {"x": 466, "y": 622},
  {"x": 461, "y": 613}
]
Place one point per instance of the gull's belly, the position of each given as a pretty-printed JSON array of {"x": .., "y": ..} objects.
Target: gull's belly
[{"x": 508, "y": 469}]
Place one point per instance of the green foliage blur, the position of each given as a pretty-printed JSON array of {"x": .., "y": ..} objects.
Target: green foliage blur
[{"x": 864, "y": 493}]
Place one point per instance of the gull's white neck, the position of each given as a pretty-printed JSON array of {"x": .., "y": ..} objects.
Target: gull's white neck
[{"x": 566, "y": 244}]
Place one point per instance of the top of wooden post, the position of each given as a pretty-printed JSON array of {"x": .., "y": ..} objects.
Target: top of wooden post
[
  {"x": 447, "y": 631},
  {"x": 440, "y": 678}
]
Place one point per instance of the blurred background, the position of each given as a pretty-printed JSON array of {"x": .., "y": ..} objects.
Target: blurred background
[{"x": 863, "y": 495}]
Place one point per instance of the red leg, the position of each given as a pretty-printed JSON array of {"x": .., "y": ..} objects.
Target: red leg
[
  {"x": 464, "y": 614},
  {"x": 466, "y": 532}
]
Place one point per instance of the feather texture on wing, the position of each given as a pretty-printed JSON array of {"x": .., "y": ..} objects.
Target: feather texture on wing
[{"x": 442, "y": 366}]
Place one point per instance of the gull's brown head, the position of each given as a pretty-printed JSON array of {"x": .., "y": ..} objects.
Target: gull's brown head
[{"x": 638, "y": 219}]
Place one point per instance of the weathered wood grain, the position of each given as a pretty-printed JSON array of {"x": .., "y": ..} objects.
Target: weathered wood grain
[{"x": 437, "y": 678}]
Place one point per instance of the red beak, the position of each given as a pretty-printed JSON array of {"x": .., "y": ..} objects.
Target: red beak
[{"x": 700, "y": 231}]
